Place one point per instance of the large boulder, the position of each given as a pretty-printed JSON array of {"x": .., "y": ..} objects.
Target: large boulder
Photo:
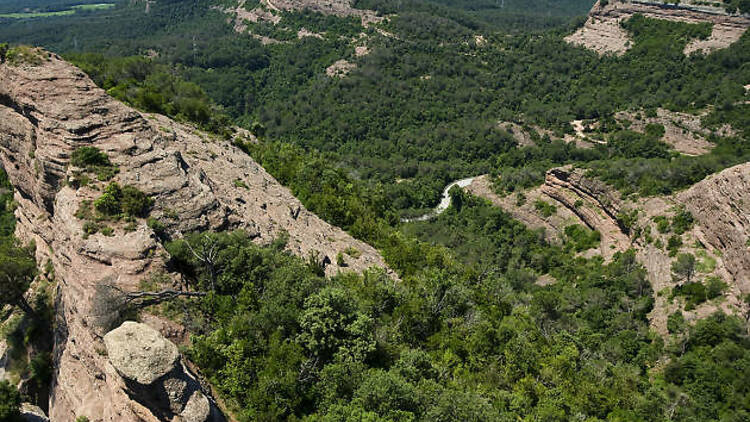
[
  {"x": 155, "y": 376},
  {"x": 140, "y": 353}
]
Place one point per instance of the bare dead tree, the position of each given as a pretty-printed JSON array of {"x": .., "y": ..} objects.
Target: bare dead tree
[
  {"x": 111, "y": 303},
  {"x": 207, "y": 253}
]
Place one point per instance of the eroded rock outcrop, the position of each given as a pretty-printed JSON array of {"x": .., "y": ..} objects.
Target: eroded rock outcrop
[
  {"x": 197, "y": 182},
  {"x": 719, "y": 239},
  {"x": 593, "y": 202},
  {"x": 602, "y": 31},
  {"x": 721, "y": 206},
  {"x": 155, "y": 375}
]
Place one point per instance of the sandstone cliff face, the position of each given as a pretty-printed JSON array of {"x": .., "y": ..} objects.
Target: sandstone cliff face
[
  {"x": 602, "y": 31},
  {"x": 721, "y": 206},
  {"x": 197, "y": 182},
  {"x": 598, "y": 207}
]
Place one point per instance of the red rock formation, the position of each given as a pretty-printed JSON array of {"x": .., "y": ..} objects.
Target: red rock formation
[{"x": 46, "y": 112}]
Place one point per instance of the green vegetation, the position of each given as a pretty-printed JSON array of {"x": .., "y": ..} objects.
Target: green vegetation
[
  {"x": 10, "y": 403},
  {"x": 582, "y": 238},
  {"x": 695, "y": 292},
  {"x": 116, "y": 203},
  {"x": 127, "y": 201},
  {"x": 14, "y": 9},
  {"x": 467, "y": 333},
  {"x": 93, "y": 161},
  {"x": 28, "y": 335},
  {"x": 280, "y": 342},
  {"x": 152, "y": 87},
  {"x": 545, "y": 208},
  {"x": 735, "y": 6},
  {"x": 386, "y": 120},
  {"x": 20, "y": 55}
]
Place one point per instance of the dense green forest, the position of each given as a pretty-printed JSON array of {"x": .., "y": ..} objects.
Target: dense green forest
[
  {"x": 451, "y": 341},
  {"x": 421, "y": 109}
]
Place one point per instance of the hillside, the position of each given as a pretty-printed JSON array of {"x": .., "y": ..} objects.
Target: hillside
[
  {"x": 374, "y": 210},
  {"x": 196, "y": 182}
]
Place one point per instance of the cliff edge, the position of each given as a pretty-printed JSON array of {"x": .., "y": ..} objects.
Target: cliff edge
[{"x": 198, "y": 182}]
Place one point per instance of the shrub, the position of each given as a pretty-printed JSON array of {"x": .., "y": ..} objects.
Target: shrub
[
  {"x": 655, "y": 130},
  {"x": 582, "y": 238},
  {"x": 3, "y": 51},
  {"x": 340, "y": 261},
  {"x": 23, "y": 55},
  {"x": 90, "y": 228},
  {"x": 127, "y": 200},
  {"x": 10, "y": 402},
  {"x": 89, "y": 156},
  {"x": 714, "y": 287},
  {"x": 682, "y": 221},
  {"x": 135, "y": 202},
  {"x": 157, "y": 226},
  {"x": 107, "y": 204},
  {"x": 673, "y": 244},
  {"x": 662, "y": 223},
  {"x": 676, "y": 322},
  {"x": 94, "y": 161},
  {"x": 544, "y": 208},
  {"x": 694, "y": 294},
  {"x": 353, "y": 252}
]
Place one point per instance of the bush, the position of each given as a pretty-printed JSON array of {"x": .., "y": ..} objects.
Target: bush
[
  {"x": 90, "y": 227},
  {"x": 675, "y": 322},
  {"x": 674, "y": 243},
  {"x": 662, "y": 223},
  {"x": 714, "y": 287},
  {"x": 582, "y": 238},
  {"x": 127, "y": 200},
  {"x": 89, "y": 156},
  {"x": 544, "y": 208},
  {"x": 134, "y": 202},
  {"x": 10, "y": 402},
  {"x": 694, "y": 294},
  {"x": 94, "y": 161},
  {"x": 107, "y": 204},
  {"x": 682, "y": 221},
  {"x": 23, "y": 55},
  {"x": 157, "y": 226},
  {"x": 3, "y": 52}
]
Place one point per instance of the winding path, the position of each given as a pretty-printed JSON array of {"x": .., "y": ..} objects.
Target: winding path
[{"x": 445, "y": 201}]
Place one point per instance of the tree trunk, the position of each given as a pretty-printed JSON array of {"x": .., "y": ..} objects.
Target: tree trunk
[{"x": 24, "y": 305}]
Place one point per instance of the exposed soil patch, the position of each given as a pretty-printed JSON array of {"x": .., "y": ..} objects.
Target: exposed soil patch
[
  {"x": 340, "y": 68},
  {"x": 682, "y": 131}
]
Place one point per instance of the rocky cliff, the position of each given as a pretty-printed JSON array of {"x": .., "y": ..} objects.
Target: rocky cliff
[
  {"x": 602, "y": 31},
  {"x": 198, "y": 182},
  {"x": 721, "y": 206},
  {"x": 719, "y": 238}
]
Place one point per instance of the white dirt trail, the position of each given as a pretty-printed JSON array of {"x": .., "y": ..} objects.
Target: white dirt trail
[{"x": 445, "y": 201}]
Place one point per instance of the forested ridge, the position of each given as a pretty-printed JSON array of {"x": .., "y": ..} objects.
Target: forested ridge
[
  {"x": 488, "y": 320},
  {"x": 416, "y": 111}
]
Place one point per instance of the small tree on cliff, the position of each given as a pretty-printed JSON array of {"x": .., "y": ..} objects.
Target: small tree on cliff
[
  {"x": 17, "y": 270},
  {"x": 10, "y": 402}
]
